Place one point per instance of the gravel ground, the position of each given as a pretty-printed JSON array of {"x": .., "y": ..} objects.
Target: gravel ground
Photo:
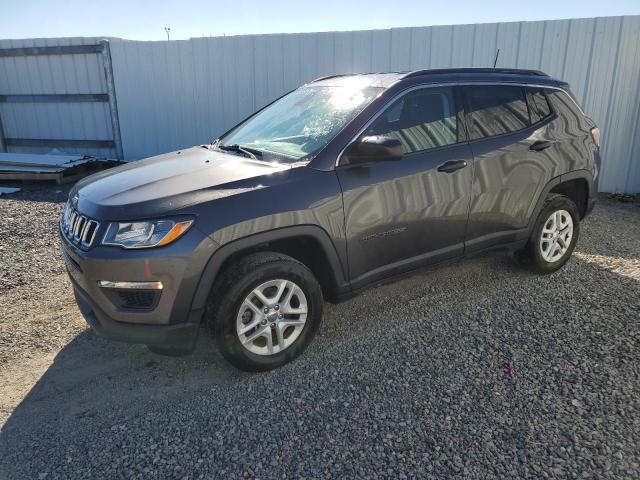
[
  {"x": 472, "y": 370},
  {"x": 33, "y": 281}
]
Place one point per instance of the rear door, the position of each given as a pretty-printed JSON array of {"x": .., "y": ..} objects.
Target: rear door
[
  {"x": 400, "y": 214},
  {"x": 512, "y": 162}
]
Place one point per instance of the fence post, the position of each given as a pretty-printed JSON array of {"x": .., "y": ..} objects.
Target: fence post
[
  {"x": 3, "y": 146},
  {"x": 111, "y": 91}
]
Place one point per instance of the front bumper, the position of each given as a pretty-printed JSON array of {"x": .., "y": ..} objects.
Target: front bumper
[
  {"x": 170, "y": 322},
  {"x": 179, "y": 338}
]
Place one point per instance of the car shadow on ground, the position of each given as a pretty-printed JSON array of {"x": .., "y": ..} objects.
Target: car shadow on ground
[
  {"x": 94, "y": 374},
  {"x": 91, "y": 374},
  {"x": 91, "y": 366}
]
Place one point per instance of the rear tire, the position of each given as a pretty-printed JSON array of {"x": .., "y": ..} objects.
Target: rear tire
[
  {"x": 270, "y": 298},
  {"x": 554, "y": 236}
]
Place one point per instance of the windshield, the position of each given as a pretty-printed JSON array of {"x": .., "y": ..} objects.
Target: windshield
[{"x": 301, "y": 123}]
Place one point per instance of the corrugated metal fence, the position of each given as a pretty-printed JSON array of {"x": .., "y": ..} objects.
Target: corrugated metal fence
[
  {"x": 58, "y": 93},
  {"x": 180, "y": 93}
]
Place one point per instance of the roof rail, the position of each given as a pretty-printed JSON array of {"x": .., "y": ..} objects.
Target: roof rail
[{"x": 512, "y": 71}]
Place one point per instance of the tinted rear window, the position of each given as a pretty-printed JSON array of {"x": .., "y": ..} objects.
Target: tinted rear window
[
  {"x": 496, "y": 109},
  {"x": 539, "y": 105}
]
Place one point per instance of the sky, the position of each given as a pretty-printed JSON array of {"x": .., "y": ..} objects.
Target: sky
[{"x": 147, "y": 19}]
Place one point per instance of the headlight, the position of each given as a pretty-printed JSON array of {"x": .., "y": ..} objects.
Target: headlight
[{"x": 152, "y": 233}]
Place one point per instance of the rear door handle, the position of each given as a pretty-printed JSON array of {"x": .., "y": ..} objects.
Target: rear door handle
[
  {"x": 540, "y": 145},
  {"x": 452, "y": 165}
]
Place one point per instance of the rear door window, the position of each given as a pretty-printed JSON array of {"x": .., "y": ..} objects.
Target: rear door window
[
  {"x": 496, "y": 109},
  {"x": 421, "y": 120},
  {"x": 538, "y": 105}
]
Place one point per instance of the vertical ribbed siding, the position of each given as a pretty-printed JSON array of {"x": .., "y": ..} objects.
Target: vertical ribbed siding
[
  {"x": 55, "y": 74},
  {"x": 174, "y": 94},
  {"x": 179, "y": 93}
]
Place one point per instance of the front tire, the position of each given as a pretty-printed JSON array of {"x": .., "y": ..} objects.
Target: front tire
[
  {"x": 554, "y": 235},
  {"x": 264, "y": 311}
]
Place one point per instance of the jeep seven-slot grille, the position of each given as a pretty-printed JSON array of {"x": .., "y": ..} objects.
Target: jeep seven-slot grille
[{"x": 78, "y": 228}]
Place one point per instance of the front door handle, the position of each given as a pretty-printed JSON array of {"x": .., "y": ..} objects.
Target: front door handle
[
  {"x": 452, "y": 165},
  {"x": 540, "y": 145}
]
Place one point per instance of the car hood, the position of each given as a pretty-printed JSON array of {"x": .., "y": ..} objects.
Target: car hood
[{"x": 171, "y": 182}]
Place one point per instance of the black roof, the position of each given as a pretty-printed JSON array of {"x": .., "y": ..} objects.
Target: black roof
[
  {"x": 385, "y": 80},
  {"x": 513, "y": 71}
]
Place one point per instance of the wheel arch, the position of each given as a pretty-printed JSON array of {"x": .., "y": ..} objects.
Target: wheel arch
[
  {"x": 309, "y": 244},
  {"x": 569, "y": 184},
  {"x": 579, "y": 187}
]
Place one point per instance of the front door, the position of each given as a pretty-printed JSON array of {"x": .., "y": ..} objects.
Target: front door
[{"x": 405, "y": 213}]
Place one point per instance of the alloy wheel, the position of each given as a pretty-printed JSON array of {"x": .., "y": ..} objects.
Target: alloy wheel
[
  {"x": 272, "y": 317},
  {"x": 556, "y": 236}
]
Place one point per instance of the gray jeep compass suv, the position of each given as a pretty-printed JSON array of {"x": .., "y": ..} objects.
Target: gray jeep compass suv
[{"x": 345, "y": 182}]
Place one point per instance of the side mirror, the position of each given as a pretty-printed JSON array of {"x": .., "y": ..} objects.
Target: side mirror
[{"x": 375, "y": 148}]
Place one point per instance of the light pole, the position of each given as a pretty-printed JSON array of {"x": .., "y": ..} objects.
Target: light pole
[{"x": 168, "y": 30}]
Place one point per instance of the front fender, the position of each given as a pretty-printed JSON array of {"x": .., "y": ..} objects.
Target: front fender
[{"x": 218, "y": 258}]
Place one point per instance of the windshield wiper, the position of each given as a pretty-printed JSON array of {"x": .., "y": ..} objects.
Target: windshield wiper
[{"x": 248, "y": 151}]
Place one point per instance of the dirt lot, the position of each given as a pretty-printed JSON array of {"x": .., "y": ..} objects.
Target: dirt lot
[{"x": 472, "y": 370}]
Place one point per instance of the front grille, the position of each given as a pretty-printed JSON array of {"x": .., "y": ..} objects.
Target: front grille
[{"x": 78, "y": 228}]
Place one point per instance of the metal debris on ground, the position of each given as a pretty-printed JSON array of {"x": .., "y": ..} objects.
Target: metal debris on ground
[
  {"x": 61, "y": 168},
  {"x": 8, "y": 190}
]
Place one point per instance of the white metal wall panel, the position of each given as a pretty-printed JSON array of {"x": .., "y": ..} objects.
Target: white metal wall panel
[
  {"x": 623, "y": 112},
  {"x": 485, "y": 38},
  {"x": 179, "y": 93},
  {"x": 173, "y": 94},
  {"x": 54, "y": 74}
]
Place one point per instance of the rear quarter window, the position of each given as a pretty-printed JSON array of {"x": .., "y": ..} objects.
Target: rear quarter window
[
  {"x": 496, "y": 109},
  {"x": 569, "y": 114},
  {"x": 539, "y": 106}
]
